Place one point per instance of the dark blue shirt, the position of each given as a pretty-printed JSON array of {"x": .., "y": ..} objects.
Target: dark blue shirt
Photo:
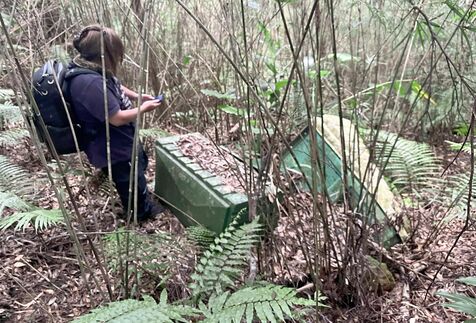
[{"x": 87, "y": 98}]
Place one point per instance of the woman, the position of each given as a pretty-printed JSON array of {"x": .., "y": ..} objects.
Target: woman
[{"x": 87, "y": 100}]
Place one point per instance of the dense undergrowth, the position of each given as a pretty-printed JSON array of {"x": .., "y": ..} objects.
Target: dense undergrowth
[{"x": 250, "y": 75}]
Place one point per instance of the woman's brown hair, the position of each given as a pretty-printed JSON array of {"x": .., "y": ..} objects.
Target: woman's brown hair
[{"x": 88, "y": 44}]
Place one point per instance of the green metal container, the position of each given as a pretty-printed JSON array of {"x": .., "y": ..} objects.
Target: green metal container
[{"x": 194, "y": 195}]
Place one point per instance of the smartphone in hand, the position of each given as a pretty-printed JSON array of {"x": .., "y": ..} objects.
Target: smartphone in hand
[{"x": 159, "y": 97}]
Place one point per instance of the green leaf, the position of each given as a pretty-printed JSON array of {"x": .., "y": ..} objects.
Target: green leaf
[
  {"x": 186, "y": 59},
  {"x": 41, "y": 219},
  {"x": 260, "y": 312},
  {"x": 467, "y": 280},
  {"x": 218, "y": 95},
  {"x": 280, "y": 84},
  {"x": 229, "y": 109},
  {"x": 268, "y": 311},
  {"x": 460, "y": 303},
  {"x": 250, "y": 313},
  {"x": 277, "y": 310}
]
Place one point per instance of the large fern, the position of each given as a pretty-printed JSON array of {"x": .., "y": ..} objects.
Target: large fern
[
  {"x": 223, "y": 261},
  {"x": 12, "y": 201},
  {"x": 136, "y": 311},
  {"x": 18, "y": 192},
  {"x": 16, "y": 179},
  {"x": 267, "y": 303},
  {"x": 40, "y": 218},
  {"x": 214, "y": 272},
  {"x": 412, "y": 166}
]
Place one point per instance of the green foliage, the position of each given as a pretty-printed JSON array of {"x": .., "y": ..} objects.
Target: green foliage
[
  {"x": 9, "y": 114},
  {"x": 223, "y": 261},
  {"x": 455, "y": 195},
  {"x": 15, "y": 179},
  {"x": 459, "y": 302},
  {"x": 11, "y": 137},
  {"x": 153, "y": 133},
  {"x": 461, "y": 129},
  {"x": 136, "y": 311},
  {"x": 201, "y": 236},
  {"x": 17, "y": 191},
  {"x": 6, "y": 95},
  {"x": 267, "y": 303},
  {"x": 412, "y": 166},
  {"x": 224, "y": 96},
  {"x": 228, "y": 109},
  {"x": 12, "y": 201},
  {"x": 153, "y": 253},
  {"x": 464, "y": 147},
  {"x": 40, "y": 218}
]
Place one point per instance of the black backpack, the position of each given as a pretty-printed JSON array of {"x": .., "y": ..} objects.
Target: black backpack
[{"x": 47, "y": 82}]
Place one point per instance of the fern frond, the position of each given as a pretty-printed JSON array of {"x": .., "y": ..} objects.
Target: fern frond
[
  {"x": 12, "y": 201},
  {"x": 154, "y": 253},
  {"x": 40, "y": 218},
  {"x": 268, "y": 303},
  {"x": 15, "y": 179},
  {"x": 11, "y": 137},
  {"x": 10, "y": 113},
  {"x": 224, "y": 260},
  {"x": 136, "y": 311},
  {"x": 455, "y": 195},
  {"x": 6, "y": 94},
  {"x": 201, "y": 236},
  {"x": 461, "y": 302},
  {"x": 464, "y": 147},
  {"x": 412, "y": 166}
]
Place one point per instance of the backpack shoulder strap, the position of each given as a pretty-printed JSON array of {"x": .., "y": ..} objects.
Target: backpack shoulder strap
[
  {"x": 74, "y": 71},
  {"x": 69, "y": 75}
]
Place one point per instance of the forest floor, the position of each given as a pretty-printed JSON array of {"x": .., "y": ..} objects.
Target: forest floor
[{"x": 41, "y": 281}]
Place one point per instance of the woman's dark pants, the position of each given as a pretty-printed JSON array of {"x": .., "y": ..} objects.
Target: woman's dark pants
[{"x": 120, "y": 175}]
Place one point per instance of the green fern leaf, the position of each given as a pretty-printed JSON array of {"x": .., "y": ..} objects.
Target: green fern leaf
[
  {"x": 200, "y": 236},
  {"x": 455, "y": 196},
  {"x": 115, "y": 310},
  {"x": 267, "y": 303},
  {"x": 10, "y": 114},
  {"x": 40, "y": 218},
  {"x": 139, "y": 311},
  {"x": 412, "y": 166},
  {"x": 224, "y": 260},
  {"x": 13, "y": 136},
  {"x": 12, "y": 201},
  {"x": 16, "y": 180},
  {"x": 156, "y": 254}
]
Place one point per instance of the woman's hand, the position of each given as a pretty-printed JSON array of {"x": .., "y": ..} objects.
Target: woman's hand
[
  {"x": 123, "y": 117},
  {"x": 147, "y": 97},
  {"x": 149, "y": 105}
]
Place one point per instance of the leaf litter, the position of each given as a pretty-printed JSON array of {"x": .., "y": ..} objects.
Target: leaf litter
[{"x": 40, "y": 278}]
